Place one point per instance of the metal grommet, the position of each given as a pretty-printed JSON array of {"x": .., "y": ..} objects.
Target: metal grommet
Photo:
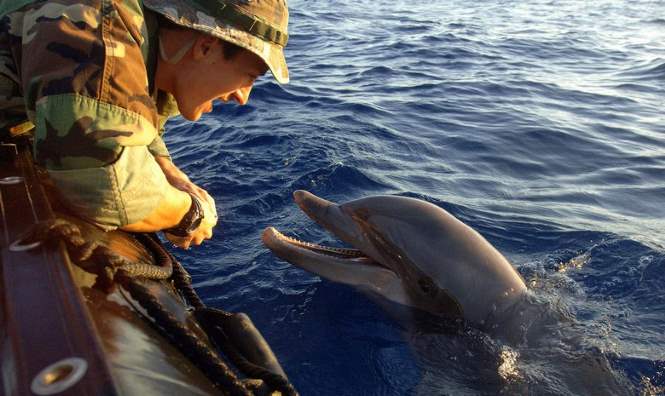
[
  {"x": 59, "y": 376},
  {"x": 18, "y": 246},
  {"x": 9, "y": 180}
]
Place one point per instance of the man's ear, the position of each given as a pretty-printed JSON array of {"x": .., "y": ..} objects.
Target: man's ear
[{"x": 205, "y": 46}]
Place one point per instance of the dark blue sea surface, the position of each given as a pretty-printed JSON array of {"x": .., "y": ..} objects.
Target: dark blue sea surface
[{"x": 539, "y": 123}]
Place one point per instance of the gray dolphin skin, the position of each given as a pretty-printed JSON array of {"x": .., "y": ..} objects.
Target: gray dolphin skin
[{"x": 407, "y": 251}]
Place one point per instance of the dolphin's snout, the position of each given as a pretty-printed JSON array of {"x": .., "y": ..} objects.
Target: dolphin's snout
[
  {"x": 306, "y": 198},
  {"x": 312, "y": 205},
  {"x": 300, "y": 195}
]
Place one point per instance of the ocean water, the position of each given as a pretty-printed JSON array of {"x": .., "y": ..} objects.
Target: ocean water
[{"x": 539, "y": 123}]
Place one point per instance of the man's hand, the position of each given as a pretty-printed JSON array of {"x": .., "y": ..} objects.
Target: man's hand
[
  {"x": 181, "y": 181},
  {"x": 202, "y": 232}
]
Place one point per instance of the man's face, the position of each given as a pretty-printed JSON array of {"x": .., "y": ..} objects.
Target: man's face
[{"x": 208, "y": 75}]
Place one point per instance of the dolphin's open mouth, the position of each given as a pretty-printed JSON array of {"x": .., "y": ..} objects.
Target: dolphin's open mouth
[
  {"x": 326, "y": 250},
  {"x": 277, "y": 241},
  {"x": 349, "y": 266}
]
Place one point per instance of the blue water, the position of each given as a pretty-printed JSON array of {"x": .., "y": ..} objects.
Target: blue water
[{"x": 539, "y": 123}]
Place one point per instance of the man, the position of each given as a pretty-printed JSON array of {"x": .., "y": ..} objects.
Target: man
[{"x": 98, "y": 80}]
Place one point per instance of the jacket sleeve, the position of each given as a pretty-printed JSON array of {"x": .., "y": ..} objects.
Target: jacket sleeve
[
  {"x": 86, "y": 89},
  {"x": 167, "y": 107},
  {"x": 158, "y": 148}
]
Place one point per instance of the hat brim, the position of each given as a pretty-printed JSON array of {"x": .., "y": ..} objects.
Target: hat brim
[{"x": 182, "y": 13}]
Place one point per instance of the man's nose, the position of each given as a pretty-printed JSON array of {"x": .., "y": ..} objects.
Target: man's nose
[{"x": 241, "y": 95}]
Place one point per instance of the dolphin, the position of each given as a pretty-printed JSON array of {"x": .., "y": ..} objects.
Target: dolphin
[
  {"x": 407, "y": 251},
  {"x": 417, "y": 255}
]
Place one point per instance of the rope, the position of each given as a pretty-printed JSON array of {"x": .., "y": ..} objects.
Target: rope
[
  {"x": 188, "y": 343},
  {"x": 183, "y": 281},
  {"x": 88, "y": 253}
]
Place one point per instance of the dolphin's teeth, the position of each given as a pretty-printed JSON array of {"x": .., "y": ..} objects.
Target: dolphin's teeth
[{"x": 319, "y": 248}]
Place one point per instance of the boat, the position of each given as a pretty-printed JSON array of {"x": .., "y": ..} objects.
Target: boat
[{"x": 89, "y": 312}]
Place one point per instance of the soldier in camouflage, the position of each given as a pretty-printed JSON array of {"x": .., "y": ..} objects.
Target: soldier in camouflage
[{"x": 95, "y": 81}]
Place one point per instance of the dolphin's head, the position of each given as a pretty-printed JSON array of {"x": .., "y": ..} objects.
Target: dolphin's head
[{"x": 406, "y": 250}]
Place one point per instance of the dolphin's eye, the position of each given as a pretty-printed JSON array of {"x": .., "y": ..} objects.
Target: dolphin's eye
[{"x": 427, "y": 286}]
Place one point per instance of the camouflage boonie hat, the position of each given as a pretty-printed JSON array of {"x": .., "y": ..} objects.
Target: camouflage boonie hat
[{"x": 259, "y": 26}]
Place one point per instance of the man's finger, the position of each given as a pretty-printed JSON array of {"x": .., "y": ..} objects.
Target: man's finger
[{"x": 197, "y": 240}]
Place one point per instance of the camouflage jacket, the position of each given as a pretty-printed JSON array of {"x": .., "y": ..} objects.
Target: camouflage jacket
[{"x": 80, "y": 71}]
